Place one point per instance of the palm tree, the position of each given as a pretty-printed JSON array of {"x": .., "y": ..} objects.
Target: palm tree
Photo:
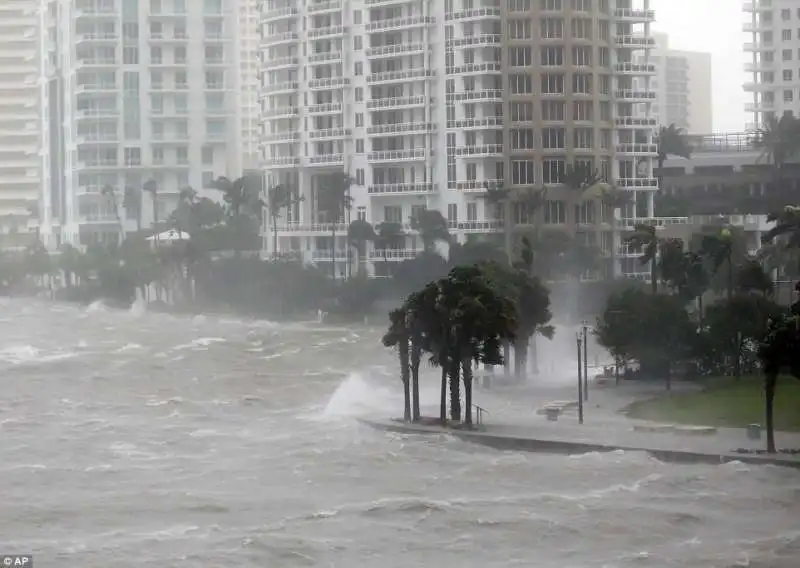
[
  {"x": 398, "y": 336},
  {"x": 671, "y": 141},
  {"x": 778, "y": 140},
  {"x": 278, "y": 197},
  {"x": 151, "y": 187},
  {"x": 718, "y": 248},
  {"x": 581, "y": 178},
  {"x": 387, "y": 234},
  {"x": 359, "y": 232},
  {"x": 132, "y": 202},
  {"x": 500, "y": 198},
  {"x": 787, "y": 226},
  {"x": 644, "y": 237},
  {"x": 333, "y": 199},
  {"x": 432, "y": 227},
  {"x": 109, "y": 193},
  {"x": 779, "y": 349}
]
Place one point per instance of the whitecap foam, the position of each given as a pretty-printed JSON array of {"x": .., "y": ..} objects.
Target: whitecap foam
[
  {"x": 199, "y": 344},
  {"x": 129, "y": 347}
]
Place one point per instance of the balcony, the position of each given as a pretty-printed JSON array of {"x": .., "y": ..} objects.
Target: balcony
[
  {"x": 282, "y": 137},
  {"x": 403, "y": 128},
  {"x": 281, "y": 112},
  {"x": 402, "y": 189},
  {"x": 379, "y": 255},
  {"x": 638, "y": 149},
  {"x": 325, "y": 7},
  {"x": 657, "y": 222},
  {"x": 641, "y": 183},
  {"x": 328, "y": 83},
  {"x": 326, "y": 255},
  {"x": 635, "y": 16},
  {"x": 313, "y": 228},
  {"x": 637, "y": 69},
  {"x": 395, "y": 50},
  {"x": 277, "y": 39},
  {"x": 633, "y": 122},
  {"x": 400, "y": 76},
  {"x": 635, "y": 41},
  {"x": 758, "y": 6},
  {"x": 97, "y": 38},
  {"x": 487, "y": 123},
  {"x": 476, "y": 40},
  {"x": 325, "y": 108},
  {"x": 473, "y": 186},
  {"x": 485, "y": 13},
  {"x": 385, "y": 156},
  {"x": 325, "y": 57},
  {"x": 327, "y": 32},
  {"x": 399, "y": 102},
  {"x": 286, "y": 87},
  {"x": 476, "y": 69},
  {"x": 326, "y": 160},
  {"x": 279, "y": 63},
  {"x": 396, "y": 24},
  {"x": 279, "y": 14},
  {"x": 635, "y": 96},
  {"x": 282, "y": 161},
  {"x": 480, "y": 150},
  {"x": 329, "y": 134},
  {"x": 485, "y": 95}
]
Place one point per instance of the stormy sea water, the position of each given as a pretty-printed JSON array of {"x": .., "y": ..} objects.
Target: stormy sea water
[{"x": 137, "y": 439}]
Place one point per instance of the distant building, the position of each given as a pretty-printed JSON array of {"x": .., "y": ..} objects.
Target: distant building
[
  {"x": 20, "y": 161},
  {"x": 133, "y": 92},
  {"x": 683, "y": 87},
  {"x": 774, "y": 56}
]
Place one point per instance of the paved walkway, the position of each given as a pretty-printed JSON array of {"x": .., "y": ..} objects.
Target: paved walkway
[{"x": 512, "y": 414}]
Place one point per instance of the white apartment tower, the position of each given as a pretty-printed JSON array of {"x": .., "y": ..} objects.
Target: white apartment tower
[
  {"x": 425, "y": 102},
  {"x": 135, "y": 91},
  {"x": 20, "y": 161},
  {"x": 774, "y": 58}
]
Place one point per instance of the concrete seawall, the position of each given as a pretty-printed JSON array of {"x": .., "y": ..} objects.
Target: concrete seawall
[{"x": 556, "y": 446}]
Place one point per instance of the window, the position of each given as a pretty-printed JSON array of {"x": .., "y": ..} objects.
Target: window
[
  {"x": 523, "y": 172},
  {"x": 786, "y": 14},
  {"x": 157, "y": 104},
  {"x": 582, "y": 110},
  {"x": 552, "y": 55},
  {"x": 181, "y": 82},
  {"x": 472, "y": 212},
  {"x": 207, "y": 155},
  {"x": 553, "y": 138},
  {"x": 157, "y": 156},
  {"x": 357, "y": 17},
  {"x": 215, "y": 128},
  {"x": 156, "y": 56},
  {"x": 553, "y": 111},
  {"x": 360, "y": 177},
  {"x": 787, "y": 74},
  {"x": 133, "y": 156},
  {"x": 181, "y": 155},
  {"x": 207, "y": 179},
  {"x": 522, "y": 139},
  {"x": 552, "y": 84},
  {"x": 554, "y": 212},
  {"x": 786, "y": 35},
  {"x": 520, "y": 84},
  {"x": 519, "y": 29},
  {"x": 130, "y": 55},
  {"x": 552, "y": 28},
  {"x": 521, "y": 112},
  {"x": 519, "y": 56},
  {"x": 584, "y": 138},
  {"x": 550, "y": 5},
  {"x": 582, "y": 56},
  {"x": 452, "y": 212},
  {"x": 156, "y": 80},
  {"x": 360, "y": 146},
  {"x": 582, "y": 84},
  {"x": 553, "y": 170},
  {"x": 215, "y": 80},
  {"x": 158, "y": 130},
  {"x": 581, "y": 28},
  {"x": 156, "y": 30},
  {"x": 519, "y": 5},
  {"x": 180, "y": 55}
]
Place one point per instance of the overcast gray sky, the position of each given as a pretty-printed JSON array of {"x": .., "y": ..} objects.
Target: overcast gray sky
[{"x": 713, "y": 26}]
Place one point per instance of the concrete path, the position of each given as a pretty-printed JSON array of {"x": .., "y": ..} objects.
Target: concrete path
[{"x": 512, "y": 414}]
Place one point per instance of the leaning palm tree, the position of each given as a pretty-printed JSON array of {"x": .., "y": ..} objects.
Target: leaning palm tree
[
  {"x": 333, "y": 199},
  {"x": 671, "y": 141},
  {"x": 644, "y": 237},
  {"x": 279, "y": 197},
  {"x": 151, "y": 187},
  {"x": 718, "y": 248},
  {"x": 109, "y": 193},
  {"x": 778, "y": 140},
  {"x": 398, "y": 336},
  {"x": 500, "y": 198},
  {"x": 132, "y": 202},
  {"x": 432, "y": 227},
  {"x": 359, "y": 233},
  {"x": 386, "y": 235},
  {"x": 787, "y": 226}
]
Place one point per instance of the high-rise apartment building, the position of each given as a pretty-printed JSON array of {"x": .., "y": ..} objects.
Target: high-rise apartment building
[
  {"x": 135, "y": 91},
  {"x": 20, "y": 161},
  {"x": 249, "y": 45},
  {"x": 774, "y": 58},
  {"x": 683, "y": 87},
  {"x": 426, "y": 102}
]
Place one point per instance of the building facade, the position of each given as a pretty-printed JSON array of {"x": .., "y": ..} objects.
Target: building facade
[
  {"x": 426, "y": 102},
  {"x": 134, "y": 92},
  {"x": 249, "y": 54},
  {"x": 20, "y": 161},
  {"x": 683, "y": 87},
  {"x": 774, "y": 58}
]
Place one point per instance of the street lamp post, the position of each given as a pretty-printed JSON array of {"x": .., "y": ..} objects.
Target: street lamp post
[
  {"x": 579, "y": 340},
  {"x": 585, "y": 361}
]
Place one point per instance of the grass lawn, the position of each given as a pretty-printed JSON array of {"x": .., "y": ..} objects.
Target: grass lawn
[{"x": 725, "y": 402}]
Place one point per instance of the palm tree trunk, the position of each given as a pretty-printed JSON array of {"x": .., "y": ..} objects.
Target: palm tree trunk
[
  {"x": 443, "y": 396},
  {"x": 700, "y": 309},
  {"x": 466, "y": 370},
  {"x": 274, "y": 237},
  {"x": 416, "y": 356},
  {"x": 333, "y": 251},
  {"x": 506, "y": 358},
  {"x": 455, "y": 388},
  {"x": 730, "y": 276},
  {"x": 654, "y": 275},
  {"x": 404, "y": 375},
  {"x": 770, "y": 385}
]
